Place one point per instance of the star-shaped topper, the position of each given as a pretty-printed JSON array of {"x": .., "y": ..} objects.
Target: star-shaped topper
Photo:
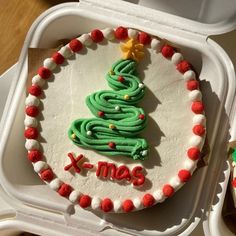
[{"x": 132, "y": 49}]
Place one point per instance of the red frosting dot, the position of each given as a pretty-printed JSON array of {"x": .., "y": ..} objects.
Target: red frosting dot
[
  {"x": 31, "y": 133},
  {"x": 127, "y": 205},
  {"x": 197, "y": 107},
  {"x": 32, "y": 111},
  {"x": 107, "y": 205},
  {"x": 148, "y": 200},
  {"x": 58, "y": 58},
  {"x": 112, "y": 145},
  {"x": 144, "y": 38},
  {"x": 101, "y": 113},
  {"x": 141, "y": 116},
  {"x": 46, "y": 175},
  {"x": 75, "y": 45},
  {"x": 233, "y": 182},
  {"x": 121, "y": 79},
  {"x": 184, "y": 175},
  {"x": 193, "y": 153},
  {"x": 85, "y": 201},
  {"x": 97, "y": 35},
  {"x": 44, "y": 72},
  {"x": 35, "y": 90},
  {"x": 199, "y": 130},
  {"x": 168, "y": 190},
  {"x": 121, "y": 33},
  {"x": 183, "y": 66},
  {"x": 65, "y": 190},
  {"x": 167, "y": 51},
  {"x": 34, "y": 155},
  {"x": 192, "y": 85}
]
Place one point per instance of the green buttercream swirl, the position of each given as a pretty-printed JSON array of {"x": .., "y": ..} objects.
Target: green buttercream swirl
[{"x": 125, "y": 118}]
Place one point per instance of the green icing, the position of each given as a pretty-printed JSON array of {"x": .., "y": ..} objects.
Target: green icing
[
  {"x": 234, "y": 155},
  {"x": 125, "y": 118}
]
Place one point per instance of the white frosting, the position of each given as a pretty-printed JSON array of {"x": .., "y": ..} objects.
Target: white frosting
[
  {"x": 108, "y": 33},
  {"x": 199, "y": 119},
  {"x": 156, "y": 44},
  {"x": 132, "y": 33},
  {"x": 55, "y": 184},
  {"x": 31, "y": 144},
  {"x": 31, "y": 100},
  {"x": 117, "y": 205},
  {"x": 30, "y": 121},
  {"x": 49, "y": 63},
  {"x": 40, "y": 165},
  {"x": 188, "y": 75},
  {"x": 177, "y": 58},
  {"x": 159, "y": 196},
  {"x": 196, "y": 141},
  {"x": 85, "y": 39},
  {"x": 175, "y": 181},
  {"x": 37, "y": 80},
  {"x": 74, "y": 195},
  {"x": 195, "y": 95},
  {"x": 96, "y": 203},
  {"x": 189, "y": 164},
  {"x": 137, "y": 203},
  {"x": 66, "y": 51}
]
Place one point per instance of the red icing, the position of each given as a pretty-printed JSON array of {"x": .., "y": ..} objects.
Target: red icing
[
  {"x": 105, "y": 168},
  {"x": 97, "y": 35},
  {"x": 74, "y": 162},
  {"x": 141, "y": 116},
  {"x": 32, "y": 111},
  {"x": 123, "y": 173},
  {"x": 85, "y": 201},
  {"x": 168, "y": 190},
  {"x": 139, "y": 177},
  {"x": 31, "y": 133},
  {"x": 233, "y": 182},
  {"x": 197, "y": 107},
  {"x": 193, "y": 153},
  {"x": 144, "y": 38},
  {"x": 121, "y": 33},
  {"x": 184, "y": 175},
  {"x": 75, "y": 45},
  {"x": 121, "y": 79},
  {"x": 44, "y": 72},
  {"x": 148, "y": 200},
  {"x": 107, "y": 205},
  {"x": 58, "y": 58},
  {"x": 192, "y": 85},
  {"x": 46, "y": 175},
  {"x": 183, "y": 66},
  {"x": 112, "y": 145},
  {"x": 34, "y": 155},
  {"x": 167, "y": 51},
  {"x": 35, "y": 90},
  {"x": 127, "y": 205},
  {"x": 65, "y": 190},
  {"x": 101, "y": 113},
  {"x": 199, "y": 130},
  {"x": 87, "y": 166}
]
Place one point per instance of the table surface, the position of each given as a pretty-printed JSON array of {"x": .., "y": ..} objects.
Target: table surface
[{"x": 16, "y": 17}]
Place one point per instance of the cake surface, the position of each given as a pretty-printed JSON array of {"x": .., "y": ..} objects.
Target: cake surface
[{"x": 172, "y": 119}]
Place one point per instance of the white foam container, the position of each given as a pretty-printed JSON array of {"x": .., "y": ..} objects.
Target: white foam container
[{"x": 33, "y": 201}]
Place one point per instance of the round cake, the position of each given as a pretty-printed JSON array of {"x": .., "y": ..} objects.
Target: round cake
[{"x": 115, "y": 120}]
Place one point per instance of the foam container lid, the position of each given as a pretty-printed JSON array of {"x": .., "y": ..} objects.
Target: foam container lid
[{"x": 178, "y": 215}]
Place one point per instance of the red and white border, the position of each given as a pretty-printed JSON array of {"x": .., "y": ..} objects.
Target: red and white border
[{"x": 32, "y": 111}]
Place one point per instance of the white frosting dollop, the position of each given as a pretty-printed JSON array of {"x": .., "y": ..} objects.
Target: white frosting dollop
[
  {"x": 55, "y": 184},
  {"x": 49, "y": 63},
  {"x": 40, "y": 165},
  {"x": 159, "y": 196},
  {"x": 196, "y": 141},
  {"x": 195, "y": 95},
  {"x": 31, "y": 100},
  {"x": 156, "y": 44},
  {"x": 74, "y": 195},
  {"x": 96, "y": 203},
  {"x": 137, "y": 203},
  {"x": 37, "y": 80},
  {"x": 190, "y": 74},
  {"x": 31, "y": 144},
  {"x": 66, "y": 52},
  {"x": 175, "y": 181},
  {"x": 189, "y": 164},
  {"x": 117, "y": 205},
  {"x": 85, "y": 39},
  {"x": 132, "y": 33},
  {"x": 177, "y": 58},
  {"x": 30, "y": 121},
  {"x": 108, "y": 33},
  {"x": 199, "y": 119}
]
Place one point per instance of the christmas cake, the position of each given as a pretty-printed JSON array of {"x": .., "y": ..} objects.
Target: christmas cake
[{"x": 115, "y": 120}]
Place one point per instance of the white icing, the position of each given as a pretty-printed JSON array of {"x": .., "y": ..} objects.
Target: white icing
[
  {"x": 66, "y": 52},
  {"x": 31, "y": 144},
  {"x": 30, "y": 121},
  {"x": 117, "y": 205},
  {"x": 31, "y": 100},
  {"x": 133, "y": 34},
  {"x": 37, "y": 80},
  {"x": 196, "y": 141},
  {"x": 177, "y": 58},
  {"x": 117, "y": 108},
  {"x": 175, "y": 181},
  {"x": 141, "y": 85},
  {"x": 85, "y": 39},
  {"x": 188, "y": 75},
  {"x": 74, "y": 195},
  {"x": 199, "y": 119},
  {"x": 137, "y": 203},
  {"x": 159, "y": 196},
  {"x": 96, "y": 203},
  {"x": 189, "y": 164},
  {"x": 195, "y": 95},
  {"x": 108, "y": 33},
  {"x": 49, "y": 63},
  {"x": 39, "y": 165},
  {"x": 89, "y": 132},
  {"x": 156, "y": 44},
  {"x": 55, "y": 184}
]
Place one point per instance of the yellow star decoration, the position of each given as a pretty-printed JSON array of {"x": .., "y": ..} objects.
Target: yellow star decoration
[{"x": 132, "y": 49}]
